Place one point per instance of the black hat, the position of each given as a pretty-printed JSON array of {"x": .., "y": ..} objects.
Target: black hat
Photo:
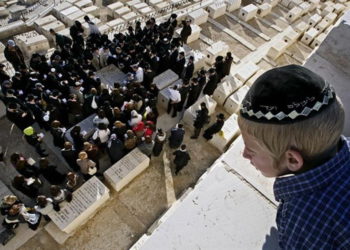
[
  {"x": 221, "y": 116},
  {"x": 286, "y": 95}
]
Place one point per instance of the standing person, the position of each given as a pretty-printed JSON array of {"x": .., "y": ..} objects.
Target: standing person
[
  {"x": 61, "y": 40},
  {"x": 74, "y": 181},
  {"x": 59, "y": 195},
  {"x": 115, "y": 149},
  {"x": 194, "y": 93},
  {"x": 44, "y": 206},
  {"x": 70, "y": 155},
  {"x": 159, "y": 142},
  {"x": 94, "y": 32},
  {"x": 185, "y": 88},
  {"x": 174, "y": 99},
  {"x": 301, "y": 145},
  {"x": 212, "y": 83},
  {"x": 219, "y": 67},
  {"x": 180, "y": 64},
  {"x": 14, "y": 55},
  {"x": 181, "y": 158},
  {"x": 215, "y": 128},
  {"x": 189, "y": 69},
  {"x": 146, "y": 146},
  {"x": 35, "y": 140},
  {"x": 186, "y": 31},
  {"x": 50, "y": 172},
  {"x": 87, "y": 167},
  {"x": 176, "y": 136},
  {"x": 58, "y": 133},
  {"x": 201, "y": 119},
  {"x": 227, "y": 64}
]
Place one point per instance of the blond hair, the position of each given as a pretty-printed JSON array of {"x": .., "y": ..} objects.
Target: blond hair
[
  {"x": 310, "y": 137},
  {"x": 83, "y": 155}
]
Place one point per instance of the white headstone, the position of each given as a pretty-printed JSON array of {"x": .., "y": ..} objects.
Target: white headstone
[
  {"x": 291, "y": 36},
  {"x": 83, "y": 4},
  {"x": 190, "y": 113},
  {"x": 233, "y": 103},
  {"x": 233, "y": 4},
  {"x": 92, "y": 10},
  {"x": 327, "y": 10},
  {"x": 164, "y": 79},
  {"x": 248, "y": 12},
  {"x": 31, "y": 42},
  {"x": 228, "y": 85},
  {"x": 318, "y": 40},
  {"x": 294, "y": 14},
  {"x": 217, "y": 9},
  {"x": 86, "y": 200},
  {"x": 314, "y": 19},
  {"x": 264, "y": 9},
  {"x": 125, "y": 170},
  {"x": 219, "y": 48},
  {"x": 228, "y": 133},
  {"x": 199, "y": 16},
  {"x": 130, "y": 16},
  {"x": 310, "y": 35},
  {"x": 247, "y": 71},
  {"x": 122, "y": 11}
]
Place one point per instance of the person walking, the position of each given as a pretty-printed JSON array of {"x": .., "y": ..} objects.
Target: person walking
[
  {"x": 201, "y": 119},
  {"x": 215, "y": 128},
  {"x": 182, "y": 158}
]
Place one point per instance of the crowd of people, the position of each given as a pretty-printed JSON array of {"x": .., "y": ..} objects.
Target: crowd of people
[{"x": 58, "y": 92}]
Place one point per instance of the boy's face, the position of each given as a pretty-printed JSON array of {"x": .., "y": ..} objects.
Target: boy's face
[{"x": 260, "y": 158}]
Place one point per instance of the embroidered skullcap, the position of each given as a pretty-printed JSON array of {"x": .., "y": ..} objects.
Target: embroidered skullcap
[{"x": 286, "y": 95}]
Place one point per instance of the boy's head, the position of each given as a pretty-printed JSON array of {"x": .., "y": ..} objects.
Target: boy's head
[{"x": 290, "y": 120}]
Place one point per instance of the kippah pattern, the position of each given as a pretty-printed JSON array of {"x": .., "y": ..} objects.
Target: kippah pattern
[{"x": 328, "y": 96}]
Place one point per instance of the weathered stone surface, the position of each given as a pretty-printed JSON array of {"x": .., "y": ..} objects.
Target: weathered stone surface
[
  {"x": 248, "y": 12},
  {"x": 86, "y": 125},
  {"x": 219, "y": 48},
  {"x": 198, "y": 17},
  {"x": 164, "y": 79},
  {"x": 163, "y": 96},
  {"x": 217, "y": 9},
  {"x": 318, "y": 40},
  {"x": 309, "y": 36},
  {"x": 86, "y": 200},
  {"x": 233, "y": 4},
  {"x": 228, "y": 85},
  {"x": 125, "y": 170},
  {"x": 233, "y": 103},
  {"x": 31, "y": 42}
]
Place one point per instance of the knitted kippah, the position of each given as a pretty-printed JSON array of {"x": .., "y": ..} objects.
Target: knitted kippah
[{"x": 286, "y": 95}]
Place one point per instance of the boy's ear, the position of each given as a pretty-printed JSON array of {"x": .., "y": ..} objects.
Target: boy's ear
[{"x": 294, "y": 160}]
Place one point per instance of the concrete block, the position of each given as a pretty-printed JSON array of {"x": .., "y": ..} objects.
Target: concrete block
[
  {"x": 122, "y": 11},
  {"x": 74, "y": 16},
  {"x": 277, "y": 49},
  {"x": 247, "y": 71},
  {"x": 327, "y": 10},
  {"x": 264, "y": 9},
  {"x": 330, "y": 18},
  {"x": 294, "y": 14},
  {"x": 234, "y": 101},
  {"x": 114, "y": 6},
  {"x": 301, "y": 27},
  {"x": 164, "y": 79},
  {"x": 139, "y": 6},
  {"x": 233, "y": 5},
  {"x": 164, "y": 94},
  {"x": 338, "y": 8},
  {"x": 228, "y": 85},
  {"x": 219, "y": 48},
  {"x": 44, "y": 20},
  {"x": 291, "y": 36},
  {"x": 86, "y": 200},
  {"x": 198, "y": 17},
  {"x": 314, "y": 19},
  {"x": 229, "y": 132},
  {"x": 129, "y": 16},
  {"x": 251, "y": 80},
  {"x": 104, "y": 29},
  {"x": 57, "y": 26},
  {"x": 318, "y": 40},
  {"x": 314, "y": 4},
  {"x": 190, "y": 113},
  {"x": 61, "y": 7},
  {"x": 161, "y": 6},
  {"x": 4, "y": 12},
  {"x": 126, "y": 169},
  {"x": 196, "y": 30},
  {"x": 217, "y": 9},
  {"x": 309, "y": 36},
  {"x": 83, "y": 4},
  {"x": 115, "y": 22},
  {"x": 72, "y": 1},
  {"x": 133, "y": 2},
  {"x": 273, "y": 3},
  {"x": 321, "y": 26},
  {"x": 154, "y": 2},
  {"x": 146, "y": 11},
  {"x": 92, "y": 10},
  {"x": 31, "y": 42},
  {"x": 248, "y": 12},
  {"x": 305, "y": 6}
]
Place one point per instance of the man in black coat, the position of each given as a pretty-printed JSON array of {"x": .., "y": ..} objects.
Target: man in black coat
[
  {"x": 181, "y": 158},
  {"x": 185, "y": 88},
  {"x": 219, "y": 67},
  {"x": 180, "y": 64},
  {"x": 176, "y": 136},
  {"x": 186, "y": 31},
  {"x": 215, "y": 128},
  {"x": 212, "y": 83},
  {"x": 189, "y": 69},
  {"x": 70, "y": 155},
  {"x": 193, "y": 93},
  {"x": 227, "y": 64},
  {"x": 201, "y": 119},
  {"x": 14, "y": 55}
]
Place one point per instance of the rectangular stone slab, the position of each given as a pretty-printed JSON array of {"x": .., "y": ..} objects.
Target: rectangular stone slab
[
  {"x": 248, "y": 12},
  {"x": 217, "y": 9},
  {"x": 85, "y": 125},
  {"x": 125, "y": 170},
  {"x": 229, "y": 131},
  {"x": 199, "y": 16},
  {"x": 310, "y": 35},
  {"x": 233, "y": 103},
  {"x": 228, "y": 85},
  {"x": 86, "y": 200},
  {"x": 233, "y": 5},
  {"x": 219, "y": 48},
  {"x": 190, "y": 113},
  {"x": 164, "y": 79},
  {"x": 247, "y": 71}
]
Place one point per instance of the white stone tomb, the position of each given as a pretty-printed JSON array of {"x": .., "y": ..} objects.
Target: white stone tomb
[
  {"x": 234, "y": 101},
  {"x": 163, "y": 96},
  {"x": 309, "y": 36},
  {"x": 199, "y": 16},
  {"x": 264, "y": 9},
  {"x": 164, "y": 79},
  {"x": 248, "y": 12},
  {"x": 233, "y": 5},
  {"x": 219, "y": 48},
  {"x": 126, "y": 169},
  {"x": 247, "y": 71},
  {"x": 217, "y": 9},
  {"x": 228, "y": 85}
]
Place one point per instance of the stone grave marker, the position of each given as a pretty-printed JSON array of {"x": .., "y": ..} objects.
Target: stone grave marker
[
  {"x": 164, "y": 79},
  {"x": 86, "y": 125},
  {"x": 125, "y": 170},
  {"x": 163, "y": 96},
  {"x": 233, "y": 103}
]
